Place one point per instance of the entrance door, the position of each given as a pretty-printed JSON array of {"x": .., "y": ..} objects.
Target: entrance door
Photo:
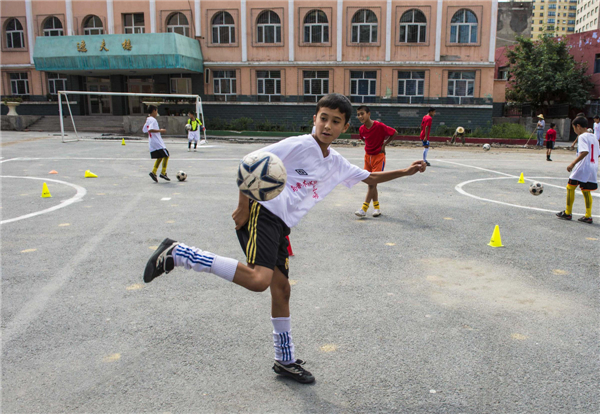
[
  {"x": 136, "y": 105},
  {"x": 99, "y": 104}
]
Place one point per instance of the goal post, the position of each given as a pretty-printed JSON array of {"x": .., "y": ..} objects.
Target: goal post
[{"x": 196, "y": 98}]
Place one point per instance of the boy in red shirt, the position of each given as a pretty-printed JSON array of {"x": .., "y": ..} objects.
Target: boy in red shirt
[
  {"x": 550, "y": 140},
  {"x": 425, "y": 130},
  {"x": 374, "y": 134}
]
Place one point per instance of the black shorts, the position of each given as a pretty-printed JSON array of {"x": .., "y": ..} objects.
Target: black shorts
[
  {"x": 550, "y": 144},
  {"x": 160, "y": 153},
  {"x": 263, "y": 239},
  {"x": 584, "y": 186}
]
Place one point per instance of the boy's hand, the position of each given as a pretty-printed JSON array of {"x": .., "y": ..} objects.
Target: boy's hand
[
  {"x": 240, "y": 216},
  {"x": 415, "y": 167},
  {"x": 570, "y": 167},
  {"x": 162, "y": 131}
]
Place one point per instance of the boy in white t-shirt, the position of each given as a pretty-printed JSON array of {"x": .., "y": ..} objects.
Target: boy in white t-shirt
[
  {"x": 584, "y": 171},
  {"x": 597, "y": 127},
  {"x": 158, "y": 151},
  {"x": 313, "y": 171}
]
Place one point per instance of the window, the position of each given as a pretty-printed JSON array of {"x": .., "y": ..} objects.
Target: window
[
  {"x": 223, "y": 28},
  {"x": 364, "y": 27},
  {"x": 268, "y": 85},
  {"x": 14, "y": 35},
  {"x": 503, "y": 73},
  {"x": 93, "y": 26},
  {"x": 178, "y": 23},
  {"x": 19, "y": 84},
  {"x": 461, "y": 85},
  {"x": 552, "y": 14},
  {"x": 571, "y": 21},
  {"x": 363, "y": 86},
  {"x": 224, "y": 84},
  {"x": 134, "y": 23},
  {"x": 571, "y": 14},
  {"x": 316, "y": 27},
  {"x": 316, "y": 85},
  {"x": 571, "y": 29},
  {"x": 551, "y": 21},
  {"x": 413, "y": 27},
  {"x": 411, "y": 85},
  {"x": 541, "y": 7},
  {"x": 56, "y": 83},
  {"x": 552, "y": 6},
  {"x": 597, "y": 64},
  {"x": 463, "y": 27},
  {"x": 268, "y": 28},
  {"x": 53, "y": 27},
  {"x": 181, "y": 84}
]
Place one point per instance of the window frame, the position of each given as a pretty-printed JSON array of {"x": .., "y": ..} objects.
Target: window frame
[
  {"x": 231, "y": 29},
  {"x": 314, "y": 97},
  {"x": 452, "y": 10},
  {"x": 170, "y": 28},
  {"x": 277, "y": 83},
  {"x": 417, "y": 97},
  {"x": 133, "y": 27},
  {"x": 53, "y": 18},
  {"x": 178, "y": 77},
  {"x": 358, "y": 25},
  {"x": 322, "y": 25},
  {"x": 54, "y": 81},
  {"x": 15, "y": 82},
  {"x": 5, "y": 46},
  {"x": 86, "y": 30},
  {"x": 353, "y": 96},
  {"x": 466, "y": 80},
  {"x": 232, "y": 84},
  {"x": 419, "y": 25},
  {"x": 263, "y": 26}
]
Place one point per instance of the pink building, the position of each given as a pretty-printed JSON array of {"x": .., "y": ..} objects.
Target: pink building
[{"x": 393, "y": 54}]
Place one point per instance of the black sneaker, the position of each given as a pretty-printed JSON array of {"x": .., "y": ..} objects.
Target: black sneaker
[
  {"x": 161, "y": 261},
  {"x": 548, "y": 159},
  {"x": 427, "y": 163},
  {"x": 586, "y": 220},
  {"x": 153, "y": 176},
  {"x": 164, "y": 177},
  {"x": 564, "y": 216},
  {"x": 294, "y": 371}
]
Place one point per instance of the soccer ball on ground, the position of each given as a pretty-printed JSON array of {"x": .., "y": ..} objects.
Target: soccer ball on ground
[
  {"x": 261, "y": 176},
  {"x": 181, "y": 175},
  {"x": 536, "y": 188},
  {"x": 188, "y": 127},
  {"x": 486, "y": 147}
]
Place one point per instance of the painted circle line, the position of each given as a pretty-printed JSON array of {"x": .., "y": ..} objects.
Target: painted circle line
[
  {"x": 81, "y": 192},
  {"x": 459, "y": 188}
]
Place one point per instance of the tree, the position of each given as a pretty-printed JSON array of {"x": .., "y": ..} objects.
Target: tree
[{"x": 543, "y": 72}]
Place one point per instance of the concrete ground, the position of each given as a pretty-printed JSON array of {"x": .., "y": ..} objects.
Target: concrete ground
[{"x": 410, "y": 312}]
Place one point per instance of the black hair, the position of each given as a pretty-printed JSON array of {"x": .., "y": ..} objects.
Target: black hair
[
  {"x": 582, "y": 122},
  {"x": 596, "y": 116},
  {"x": 552, "y": 125},
  {"x": 580, "y": 115},
  {"x": 364, "y": 108},
  {"x": 336, "y": 101},
  {"x": 192, "y": 112},
  {"x": 432, "y": 109},
  {"x": 151, "y": 108}
]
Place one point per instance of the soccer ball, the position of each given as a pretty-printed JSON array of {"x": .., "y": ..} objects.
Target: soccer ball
[
  {"x": 486, "y": 147},
  {"x": 261, "y": 176},
  {"x": 181, "y": 175},
  {"x": 188, "y": 127},
  {"x": 536, "y": 188}
]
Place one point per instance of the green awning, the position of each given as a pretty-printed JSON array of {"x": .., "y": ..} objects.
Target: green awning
[{"x": 143, "y": 53}]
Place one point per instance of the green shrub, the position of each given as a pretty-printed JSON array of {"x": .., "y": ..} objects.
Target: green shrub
[
  {"x": 218, "y": 124},
  {"x": 241, "y": 124},
  {"x": 508, "y": 131}
]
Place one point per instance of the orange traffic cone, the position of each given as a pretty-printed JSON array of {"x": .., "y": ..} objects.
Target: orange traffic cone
[{"x": 53, "y": 172}]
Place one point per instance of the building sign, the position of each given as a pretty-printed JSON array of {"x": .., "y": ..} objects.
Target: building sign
[
  {"x": 126, "y": 44},
  {"x": 81, "y": 46},
  {"x": 103, "y": 46}
]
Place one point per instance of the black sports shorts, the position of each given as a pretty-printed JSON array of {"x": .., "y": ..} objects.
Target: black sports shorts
[
  {"x": 550, "y": 144},
  {"x": 263, "y": 239},
  {"x": 160, "y": 153},
  {"x": 584, "y": 186}
]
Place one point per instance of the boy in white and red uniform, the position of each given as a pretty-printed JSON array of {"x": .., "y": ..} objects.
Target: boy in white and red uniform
[{"x": 313, "y": 171}]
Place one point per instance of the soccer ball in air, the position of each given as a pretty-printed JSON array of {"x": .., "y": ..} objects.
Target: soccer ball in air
[
  {"x": 188, "y": 127},
  {"x": 486, "y": 147},
  {"x": 181, "y": 175},
  {"x": 261, "y": 176},
  {"x": 536, "y": 188}
]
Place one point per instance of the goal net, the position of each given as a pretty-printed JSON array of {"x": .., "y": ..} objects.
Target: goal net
[{"x": 190, "y": 100}]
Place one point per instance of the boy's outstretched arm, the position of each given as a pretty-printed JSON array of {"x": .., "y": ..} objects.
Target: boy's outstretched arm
[{"x": 383, "y": 176}]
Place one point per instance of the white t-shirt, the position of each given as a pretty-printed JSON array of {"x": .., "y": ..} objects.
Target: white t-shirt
[
  {"x": 586, "y": 170},
  {"x": 155, "y": 141},
  {"x": 597, "y": 130},
  {"x": 314, "y": 130},
  {"x": 310, "y": 176},
  {"x": 541, "y": 124}
]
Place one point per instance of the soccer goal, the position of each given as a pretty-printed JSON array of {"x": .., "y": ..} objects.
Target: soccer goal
[{"x": 195, "y": 98}]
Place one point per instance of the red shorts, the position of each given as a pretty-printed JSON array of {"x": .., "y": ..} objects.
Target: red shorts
[{"x": 374, "y": 163}]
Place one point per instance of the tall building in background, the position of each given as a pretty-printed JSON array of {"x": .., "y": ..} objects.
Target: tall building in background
[
  {"x": 588, "y": 15},
  {"x": 553, "y": 17},
  {"x": 513, "y": 20}
]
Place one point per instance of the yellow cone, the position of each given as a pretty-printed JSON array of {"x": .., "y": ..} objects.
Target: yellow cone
[
  {"x": 45, "y": 191},
  {"x": 496, "y": 241},
  {"x": 123, "y": 141},
  {"x": 521, "y": 179},
  {"x": 89, "y": 174}
]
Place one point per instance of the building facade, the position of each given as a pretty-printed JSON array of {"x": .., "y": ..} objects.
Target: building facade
[
  {"x": 513, "y": 20},
  {"x": 588, "y": 15},
  {"x": 253, "y": 55},
  {"x": 553, "y": 17}
]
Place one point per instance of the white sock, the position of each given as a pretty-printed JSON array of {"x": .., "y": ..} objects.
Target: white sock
[
  {"x": 282, "y": 340},
  {"x": 202, "y": 261},
  {"x": 425, "y": 151}
]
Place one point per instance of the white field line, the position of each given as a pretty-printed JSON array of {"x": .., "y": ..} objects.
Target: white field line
[{"x": 77, "y": 197}]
